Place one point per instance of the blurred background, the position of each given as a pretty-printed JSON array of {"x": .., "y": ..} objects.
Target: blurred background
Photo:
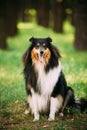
[
  {"x": 47, "y": 13},
  {"x": 65, "y": 21}
]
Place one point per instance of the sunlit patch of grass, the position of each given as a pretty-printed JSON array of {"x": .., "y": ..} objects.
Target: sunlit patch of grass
[{"x": 25, "y": 26}]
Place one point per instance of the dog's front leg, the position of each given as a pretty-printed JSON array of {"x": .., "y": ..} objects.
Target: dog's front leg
[
  {"x": 35, "y": 111},
  {"x": 36, "y": 116},
  {"x": 53, "y": 108},
  {"x": 33, "y": 102},
  {"x": 55, "y": 105}
]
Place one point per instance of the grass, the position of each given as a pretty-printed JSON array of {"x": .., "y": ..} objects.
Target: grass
[{"x": 12, "y": 87}]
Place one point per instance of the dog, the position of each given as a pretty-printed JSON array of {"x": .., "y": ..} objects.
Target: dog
[{"x": 46, "y": 86}]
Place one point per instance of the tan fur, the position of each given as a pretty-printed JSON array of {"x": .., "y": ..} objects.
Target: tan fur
[
  {"x": 60, "y": 99},
  {"x": 28, "y": 110},
  {"x": 47, "y": 55},
  {"x": 34, "y": 56},
  {"x": 29, "y": 86},
  {"x": 66, "y": 100}
]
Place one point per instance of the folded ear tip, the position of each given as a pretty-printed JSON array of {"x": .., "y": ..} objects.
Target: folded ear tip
[
  {"x": 31, "y": 39},
  {"x": 49, "y": 39}
]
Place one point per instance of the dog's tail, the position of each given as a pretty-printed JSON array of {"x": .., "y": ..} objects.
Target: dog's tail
[{"x": 81, "y": 104}]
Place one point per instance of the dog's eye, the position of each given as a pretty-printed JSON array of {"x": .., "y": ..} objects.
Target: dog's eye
[
  {"x": 37, "y": 46},
  {"x": 44, "y": 45}
]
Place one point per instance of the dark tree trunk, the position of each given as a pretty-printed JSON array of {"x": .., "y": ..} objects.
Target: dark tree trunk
[
  {"x": 3, "y": 36},
  {"x": 43, "y": 12},
  {"x": 26, "y": 5},
  {"x": 59, "y": 14},
  {"x": 3, "y": 44},
  {"x": 80, "y": 22},
  {"x": 12, "y": 12}
]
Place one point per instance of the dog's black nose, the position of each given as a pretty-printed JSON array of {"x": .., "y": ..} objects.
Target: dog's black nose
[{"x": 41, "y": 52}]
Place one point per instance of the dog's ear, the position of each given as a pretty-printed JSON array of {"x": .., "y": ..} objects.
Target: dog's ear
[
  {"x": 32, "y": 39},
  {"x": 49, "y": 39},
  {"x": 55, "y": 51}
]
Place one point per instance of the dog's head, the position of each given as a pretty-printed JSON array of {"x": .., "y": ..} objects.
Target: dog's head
[{"x": 41, "y": 50}]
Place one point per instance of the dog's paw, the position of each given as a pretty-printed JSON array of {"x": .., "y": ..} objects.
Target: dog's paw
[
  {"x": 51, "y": 118},
  {"x": 36, "y": 118},
  {"x": 61, "y": 114}
]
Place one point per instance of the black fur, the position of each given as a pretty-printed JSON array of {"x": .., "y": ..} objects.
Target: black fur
[
  {"x": 81, "y": 104},
  {"x": 53, "y": 62}
]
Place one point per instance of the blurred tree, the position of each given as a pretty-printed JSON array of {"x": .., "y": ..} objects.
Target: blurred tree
[
  {"x": 80, "y": 22},
  {"x": 43, "y": 12},
  {"x": 58, "y": 15},
  {"x": 8, "y": 20},
  {"x": 10, "y": 10},
  {"x": 25, "y": 6},
  {"x": 3, "y": 35},
  {"x": 12, "y": 17}
]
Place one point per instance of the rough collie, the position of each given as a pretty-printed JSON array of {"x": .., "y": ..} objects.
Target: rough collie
[{"x": 45, "y": 83}]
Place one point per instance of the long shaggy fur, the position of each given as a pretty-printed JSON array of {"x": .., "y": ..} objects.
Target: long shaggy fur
[{"x": 45, "y": 82}]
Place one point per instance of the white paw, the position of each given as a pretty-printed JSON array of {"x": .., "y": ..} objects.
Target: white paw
[
  {"x": 36, "y": 118},
  {"x": 61, "y": 114},
  {"x": 51, "y": 118}
]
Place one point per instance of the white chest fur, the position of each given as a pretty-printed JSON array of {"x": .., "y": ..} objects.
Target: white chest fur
[{"x": 47, "y": 81}]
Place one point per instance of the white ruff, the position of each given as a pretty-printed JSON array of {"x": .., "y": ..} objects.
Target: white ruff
[{"x": 47, "y": 81}]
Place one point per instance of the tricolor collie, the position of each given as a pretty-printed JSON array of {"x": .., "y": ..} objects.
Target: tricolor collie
[{"x": 45, "y": 83}]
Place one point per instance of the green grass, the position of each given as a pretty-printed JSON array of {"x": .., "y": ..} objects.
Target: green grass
[{"x": 12, "y": 86}]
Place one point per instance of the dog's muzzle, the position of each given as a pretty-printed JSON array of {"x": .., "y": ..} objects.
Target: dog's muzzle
[{"x": 41, "y": 55}]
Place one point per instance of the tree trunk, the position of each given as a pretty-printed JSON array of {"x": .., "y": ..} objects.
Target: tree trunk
[
  {"x": 43, "y": 12},
  {"x": 3, "y": 44},
  {"x": 12, "y": 12},
  {"x": 58, "y": 13},
  {"x": 80, "y": 22},
  {"x": 3, "y": 36}
]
